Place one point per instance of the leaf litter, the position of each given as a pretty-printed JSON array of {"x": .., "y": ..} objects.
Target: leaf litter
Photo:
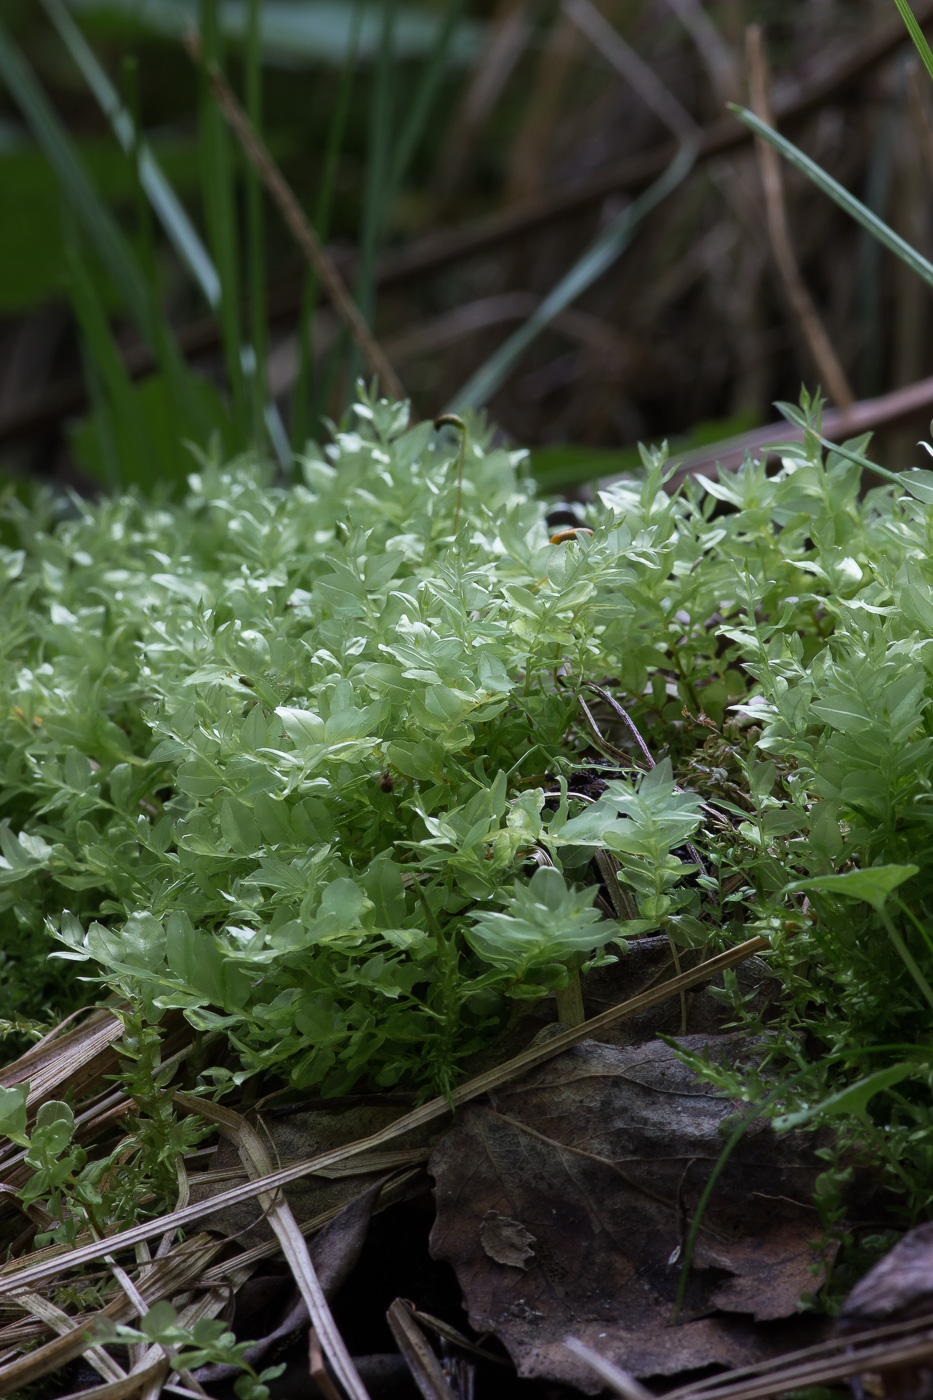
[{"x": 563, "y": 1206}]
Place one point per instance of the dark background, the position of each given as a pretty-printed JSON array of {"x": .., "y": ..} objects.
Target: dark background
[{"x": 533, "y": 143}]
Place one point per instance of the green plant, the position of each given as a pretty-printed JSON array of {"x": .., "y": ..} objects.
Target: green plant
[
  {"x": 110, "y": 1191},
  {"x": 207, "y": 1342},
  {"x": 291, "y": 761}
]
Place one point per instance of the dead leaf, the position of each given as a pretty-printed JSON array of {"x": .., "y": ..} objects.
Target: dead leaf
[
  {"x": 600, "y": 1158},
  {"x": 898, "y": 1287},
  {"x": 506, "y": 1240}
]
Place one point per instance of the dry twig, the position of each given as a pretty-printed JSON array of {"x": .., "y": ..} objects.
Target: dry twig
[
  {"x": 805, "y": 313},
  {"x": 259, "y": 156}
]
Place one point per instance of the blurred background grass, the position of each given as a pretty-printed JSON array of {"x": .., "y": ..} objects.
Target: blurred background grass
[{"x": 478, "y": 170}]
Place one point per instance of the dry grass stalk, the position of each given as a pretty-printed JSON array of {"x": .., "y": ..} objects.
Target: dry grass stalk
[
  {"x": 635, "y": 71},
  {"x": 258, "y": 1164},
  {"x": 412, "y": 1343},
  {"x": 828, "y": 1362},
  {"x": 805, "y": 313},
  {"x": 259, "y": 156}
]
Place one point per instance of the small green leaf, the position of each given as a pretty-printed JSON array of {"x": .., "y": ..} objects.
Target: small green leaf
[
  {"x": 872, "y": 885},
  {"x": 13, "y": 1113},
  {"x": 853, "y": 1100}
]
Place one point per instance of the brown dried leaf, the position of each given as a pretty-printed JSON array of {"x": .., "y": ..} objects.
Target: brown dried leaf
[
  {"x": 898, "y": 1287},
  {"x": 506, "y": 1240},
  {"x": 600, "y": 1158}
]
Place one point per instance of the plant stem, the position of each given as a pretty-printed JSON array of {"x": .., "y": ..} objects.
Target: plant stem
[
  {"x": 570, "y": 1003},
  {"x": 907, "y": 957}
]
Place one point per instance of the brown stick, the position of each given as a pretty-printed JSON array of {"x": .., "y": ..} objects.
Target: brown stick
[
  {"x": 888, "y": 410},
  {"x": 259, "y": 156},
  {"x": 801, "y": 303}
]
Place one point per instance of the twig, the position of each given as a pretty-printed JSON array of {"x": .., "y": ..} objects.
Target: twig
[
  {"x": 913, "y": 401},
  {"x": 626, "y": 718},
  {"x": 283, "y": 197},
  {"x": 807, "y": 317},
  {"x": 715, "y": 53},
  {"x": 635, "y": 71}
]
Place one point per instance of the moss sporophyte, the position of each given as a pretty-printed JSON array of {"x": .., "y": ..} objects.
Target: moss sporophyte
[{"x": 339, "y": 770}]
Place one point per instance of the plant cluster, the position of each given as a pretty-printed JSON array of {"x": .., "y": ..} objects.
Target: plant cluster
[{"x": 300, "y": 762}]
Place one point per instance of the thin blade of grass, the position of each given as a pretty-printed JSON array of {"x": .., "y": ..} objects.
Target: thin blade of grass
[
  {"x": 99, "y": 224},
  {"x": 255, "y": 232},
  {"x": 217, "y": 182},
  {"x": 378, "y": 170},
  {"x": 800, "y": 420},
  {"x": 841, "y": 196},
  {"x": 165, "y": 204},
  {"x": 115, "y": 382},
  {"x": 170, "y": 213},
  {"x": 302, "y": 412},
  {"x": 106, "y": 238},
  {"x": 917, "y": 34},
  {"x": 422, "y": 101},
  {"x": 600, "y": 256}
]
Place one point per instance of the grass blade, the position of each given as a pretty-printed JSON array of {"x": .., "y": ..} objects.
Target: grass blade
[
  {"x": 423, "y": 99},
  {"x": 104, "y": 235},
  {"x": 302, "y": 414},
  {"x": 917, "y": 34},
  {"x": 255, "y": 233},
  {"x": 112, "y": 382},
  {"x": 99, "y": 224},
  {"x": 170, "y": 213},
  {"x": 378, "y": 168},
  {"x": 852, "y": 206},
  {"x": 600, "y": 255},
  {"x": 220, "y": 212},
  {"x": 166, "y": 205}
]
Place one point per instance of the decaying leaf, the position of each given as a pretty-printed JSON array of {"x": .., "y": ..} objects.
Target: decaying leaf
[
  {"x": 600, "y": 1158},
  {"x": 506, "y": 1240},
  {"x": 898, "y": 1287}
]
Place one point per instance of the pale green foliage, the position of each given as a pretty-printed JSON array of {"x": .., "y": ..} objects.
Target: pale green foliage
[
  {"x": 282, "y": 755},
  {"x": 544, "y": 925}
]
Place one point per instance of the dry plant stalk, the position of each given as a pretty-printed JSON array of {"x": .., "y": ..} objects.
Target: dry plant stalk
[
  {"x": 258, "y": 1164},
  {"x": 419, "y": 1356},
  {"x": 801, "y": 303},
  {"x": 260, "y": 157},
  {"x": 636, "y": 72}
]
